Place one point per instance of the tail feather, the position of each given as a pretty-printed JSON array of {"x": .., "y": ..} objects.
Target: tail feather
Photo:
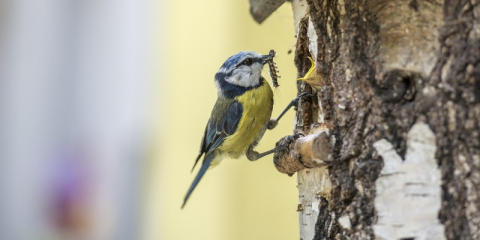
[
  {"x": 205, "y": 165},
  {"x": 196, "y": 161}
]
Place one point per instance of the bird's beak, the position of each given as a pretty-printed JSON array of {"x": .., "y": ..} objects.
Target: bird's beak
[
  {"x": 311, "y": 72},
  {"x": 265, "y": 59},
  {"x": 311, "y": 76}
]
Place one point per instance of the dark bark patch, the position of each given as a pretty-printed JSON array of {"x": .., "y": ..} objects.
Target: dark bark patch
[
  {"x": 397, "y": 85},
  {"x": 326, "y": 227},
  {"x": 413, "y": 5}
]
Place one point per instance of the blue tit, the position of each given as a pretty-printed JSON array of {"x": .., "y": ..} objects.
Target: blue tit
[{"x": 240, "y": 115}]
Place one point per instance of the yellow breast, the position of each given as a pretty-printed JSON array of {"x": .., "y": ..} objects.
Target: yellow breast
[{"x": 257, "y": 109}]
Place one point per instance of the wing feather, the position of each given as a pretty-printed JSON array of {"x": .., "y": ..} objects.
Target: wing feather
[{"x": 219, "y": 128}]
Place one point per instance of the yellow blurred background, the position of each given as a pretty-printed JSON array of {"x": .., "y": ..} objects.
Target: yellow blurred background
[
  {"x": 238, "y": 199},
  {"x": 103, "y": 105}
]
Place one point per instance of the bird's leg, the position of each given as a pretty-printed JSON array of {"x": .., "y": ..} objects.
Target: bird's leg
[
  {"x": 253, "y": 155},
  {"x": 272, "y": 123}
]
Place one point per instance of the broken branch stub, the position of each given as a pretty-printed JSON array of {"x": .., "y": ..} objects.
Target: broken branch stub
[
  {"x": 311, "y": 151},
  {"x": 261, "y": 9}
]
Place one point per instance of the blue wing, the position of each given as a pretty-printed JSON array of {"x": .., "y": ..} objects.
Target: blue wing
[
  {"x": 218, "y": 128},
  {"x": 217, "y": 131}
]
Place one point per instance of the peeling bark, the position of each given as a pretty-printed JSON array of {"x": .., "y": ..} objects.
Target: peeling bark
[
  {"x": 387, "y": 65},
  {"x": 408, "y": 192}
]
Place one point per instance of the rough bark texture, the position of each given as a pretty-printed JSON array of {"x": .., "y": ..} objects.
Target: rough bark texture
[{"x": 386, "y": 65}]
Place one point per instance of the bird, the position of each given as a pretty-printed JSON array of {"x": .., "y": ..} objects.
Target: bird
[{"x": 240, "y": 115}]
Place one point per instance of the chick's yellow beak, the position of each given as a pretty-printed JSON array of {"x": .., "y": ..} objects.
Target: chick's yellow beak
[
  {"x": 311, "y": 72},
  {"x": 311, "y": 76}
]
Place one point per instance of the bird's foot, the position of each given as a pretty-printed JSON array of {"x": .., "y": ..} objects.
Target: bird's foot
[{"x": 297, "y": 99}]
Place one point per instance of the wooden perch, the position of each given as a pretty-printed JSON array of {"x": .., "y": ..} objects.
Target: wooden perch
[{"x": 311, "y": 151}]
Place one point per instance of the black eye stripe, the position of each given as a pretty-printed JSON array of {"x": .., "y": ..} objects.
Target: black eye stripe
[{"x": 248, "y": 61}]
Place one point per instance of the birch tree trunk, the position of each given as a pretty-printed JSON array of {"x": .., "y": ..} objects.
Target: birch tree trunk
[{"x": 392, "y": 146}]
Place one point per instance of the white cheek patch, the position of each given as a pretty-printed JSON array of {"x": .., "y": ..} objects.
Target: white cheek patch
[
  {"x": 246, "y": 76},
  {"x": 256, "y": 72}
]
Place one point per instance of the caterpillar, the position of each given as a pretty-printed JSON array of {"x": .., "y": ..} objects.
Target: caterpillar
[{"x": 273, "y": 69}]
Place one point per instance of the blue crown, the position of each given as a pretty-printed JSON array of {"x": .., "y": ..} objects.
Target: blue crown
[{"x": 236, "y": 59}]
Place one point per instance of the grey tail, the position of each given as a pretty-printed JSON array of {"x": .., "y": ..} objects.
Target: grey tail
[{"x": 205, "y": 165}]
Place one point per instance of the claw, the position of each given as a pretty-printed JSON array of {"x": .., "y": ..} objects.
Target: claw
[
  {"x": 304, "y": 94},
  {"x": 297, "y": 99},
  {"x": 294, "y": 137}
]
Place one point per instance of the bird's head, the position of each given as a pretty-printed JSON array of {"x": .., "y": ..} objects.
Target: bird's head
[{"x": 243, "y": 70}]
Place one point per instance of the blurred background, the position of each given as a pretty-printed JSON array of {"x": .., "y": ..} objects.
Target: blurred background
[{"x": 102, "y": 109}]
